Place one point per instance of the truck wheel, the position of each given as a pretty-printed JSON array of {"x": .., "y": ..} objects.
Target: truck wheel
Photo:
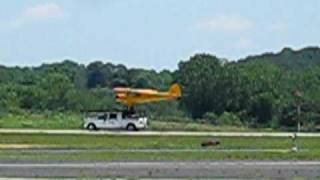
[
  {"x": 131, "y": 127},
  {"x": 91, "y": 127}
]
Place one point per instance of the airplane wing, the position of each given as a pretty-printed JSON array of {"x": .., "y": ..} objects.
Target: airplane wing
[
  {"x": 135, "y": 91},
  {"x": 143, "y": 91}
]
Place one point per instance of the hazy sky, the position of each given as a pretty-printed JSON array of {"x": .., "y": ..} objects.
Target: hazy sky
[{"x": 151, "y": 33}]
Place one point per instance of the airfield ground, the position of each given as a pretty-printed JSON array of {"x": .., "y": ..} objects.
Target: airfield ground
[
  {"x": 102, "y": 147},
  {"x": 49, "y": 153}
]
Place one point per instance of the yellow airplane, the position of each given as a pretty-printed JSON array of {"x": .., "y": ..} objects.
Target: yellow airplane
[{"x": 131, "y": 97}]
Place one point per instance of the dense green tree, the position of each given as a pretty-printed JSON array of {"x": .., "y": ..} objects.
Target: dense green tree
[
  {"x": 198, "y": 78},
  {"x": 97, "y": 75}
]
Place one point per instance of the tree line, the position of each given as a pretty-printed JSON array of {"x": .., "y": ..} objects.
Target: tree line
[{"x": 258, "y": 91}]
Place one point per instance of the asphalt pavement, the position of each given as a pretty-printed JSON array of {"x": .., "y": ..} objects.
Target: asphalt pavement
[{"x": 216, "y": 169}]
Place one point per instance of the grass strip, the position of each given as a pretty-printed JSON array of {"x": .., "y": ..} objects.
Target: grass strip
[{"x": 158, "y": 156}]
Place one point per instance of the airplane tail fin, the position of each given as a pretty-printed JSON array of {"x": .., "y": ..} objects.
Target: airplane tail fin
[{"x": 175, "y": 90}]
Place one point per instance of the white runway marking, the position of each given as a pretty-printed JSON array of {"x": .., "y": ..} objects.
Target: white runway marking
[
  {"x": 63, "y": 151},
  {"x": 137, "y": 164},
  {"x": 160, "y": 133}
]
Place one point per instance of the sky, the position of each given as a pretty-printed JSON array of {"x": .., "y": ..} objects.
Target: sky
[{"x": 153, "y": 34}]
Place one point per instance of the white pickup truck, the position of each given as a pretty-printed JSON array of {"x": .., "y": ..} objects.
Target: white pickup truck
[{"x": 115, "y": 120}]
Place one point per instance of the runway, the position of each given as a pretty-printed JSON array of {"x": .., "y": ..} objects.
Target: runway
[
  {"x": 216, "y": 169},
  {"x": 159, "y": 133}
]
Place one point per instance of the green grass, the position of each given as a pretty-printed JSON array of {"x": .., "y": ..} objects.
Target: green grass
[
  {"x": 42, "y": 121},
  {"x": 143, "y": 142},
  {"x": 310, "y": 147},
  {"x": 74, "y": 121},
  {"x": 192, "y": 126},
  {"x": 161, "y": 156}
]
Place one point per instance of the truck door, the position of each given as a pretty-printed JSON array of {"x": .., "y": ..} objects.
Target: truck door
[
  {"x": 101, "y": 122},
  {"x": 113, "y": 121}
]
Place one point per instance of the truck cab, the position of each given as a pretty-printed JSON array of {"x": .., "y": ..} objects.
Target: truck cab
[{"x": 115, "y": 120}]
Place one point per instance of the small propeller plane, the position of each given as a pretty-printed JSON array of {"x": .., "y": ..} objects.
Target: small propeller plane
[{"x": 131, "y": 97}]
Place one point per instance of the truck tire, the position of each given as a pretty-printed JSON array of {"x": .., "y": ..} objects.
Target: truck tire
[
  {"x": 92, "y": 126},
  {"x": 131, "y": 127}
]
